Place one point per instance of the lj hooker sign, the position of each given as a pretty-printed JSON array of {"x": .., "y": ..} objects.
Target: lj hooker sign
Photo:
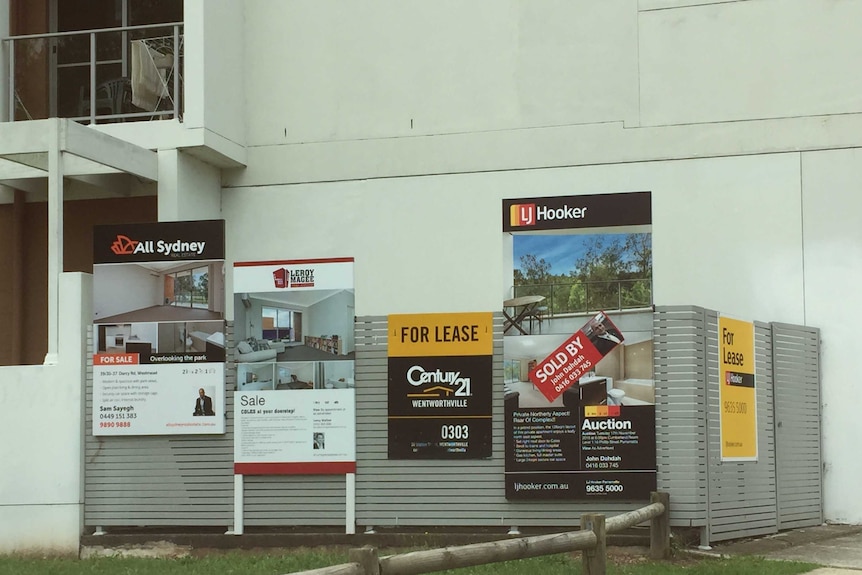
[
  {"x": 440, "y": 369},
  {"x": 737, "y": 391}
]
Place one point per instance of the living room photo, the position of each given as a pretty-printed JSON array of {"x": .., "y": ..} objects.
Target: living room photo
[
  {"x": 154, "y": 292},
  {"x": 313, "y": 325}
]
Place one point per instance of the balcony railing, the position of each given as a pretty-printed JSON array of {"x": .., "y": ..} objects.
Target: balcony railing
[
  {"x": 585, "y": 296},
  {"x": 129, "y": 73}
]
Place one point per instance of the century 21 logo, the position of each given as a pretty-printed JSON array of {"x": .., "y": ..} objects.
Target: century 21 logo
[{"x": 522, "y": 215}]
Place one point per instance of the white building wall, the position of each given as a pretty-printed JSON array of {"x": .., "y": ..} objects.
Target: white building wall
[
  {"x": 726, "y": 232},
  {"x": 42, "y": 419},
  {"x": 392, "y": 132},
  {"x": 327, "y": 70},
  {"x": 833, "y": 270},
  {"x": 214, "y": 74},
  {"x": 188, "y": 188},
  {"x": 748, "y": 60}
]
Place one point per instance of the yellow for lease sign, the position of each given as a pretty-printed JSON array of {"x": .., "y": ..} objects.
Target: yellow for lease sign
[{"x": 737, "y": 391}]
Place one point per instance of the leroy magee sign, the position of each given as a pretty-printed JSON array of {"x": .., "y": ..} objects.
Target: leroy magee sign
[{"x": 575, "y": 357}]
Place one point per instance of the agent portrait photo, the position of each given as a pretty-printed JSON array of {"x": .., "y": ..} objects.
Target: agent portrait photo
[
  {"x": 603, "y": 334},
  {"x": 319, "y": 440},
  {"x": 203, "y": 404}
]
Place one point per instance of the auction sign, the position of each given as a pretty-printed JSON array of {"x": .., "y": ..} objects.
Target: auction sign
[
  {"x": 440, "y": 368},
  {"x": 585, "y": 448},
  {"x": 579, "y": 402},
  {"x": 158, "y": 328},
  {"x": 737, "y": 392}
]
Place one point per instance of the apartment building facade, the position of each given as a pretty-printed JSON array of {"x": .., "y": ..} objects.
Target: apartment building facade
[{"x": 391, "y": 133}]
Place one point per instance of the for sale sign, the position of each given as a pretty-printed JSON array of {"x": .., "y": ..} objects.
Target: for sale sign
[{"x": 576, "y": 356}]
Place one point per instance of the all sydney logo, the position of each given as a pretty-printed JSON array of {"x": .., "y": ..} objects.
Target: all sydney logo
[{"x": 126, "y": 246}]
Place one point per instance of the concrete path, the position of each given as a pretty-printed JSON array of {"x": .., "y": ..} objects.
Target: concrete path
[{"x": 838, "y": 546}]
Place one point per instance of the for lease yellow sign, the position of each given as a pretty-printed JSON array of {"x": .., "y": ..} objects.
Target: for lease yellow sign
[
  {"x": 441, "y": 334},
  {"x": 737, "y": 392}
]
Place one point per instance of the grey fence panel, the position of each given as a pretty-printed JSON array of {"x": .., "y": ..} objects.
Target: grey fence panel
[
  {"x": 681, "y": 433},
  {"x": 796, "y": 356},
  {"x": 308, "y": 500},
  {"x": 393, "y": 493},
  {"x": 742, "y": 494},
  {"x": 293, "y": 500},
  {"x": 188, "y": 480},
  {"x": 158, "y": 480}
]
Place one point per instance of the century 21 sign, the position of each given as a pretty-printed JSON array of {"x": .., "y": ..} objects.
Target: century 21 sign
[
  {"x": 737, "y": 391},
  {"x": 440, "y": 368}
]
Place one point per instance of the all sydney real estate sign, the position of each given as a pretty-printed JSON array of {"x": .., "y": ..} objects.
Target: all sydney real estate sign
[{"x": 158, "y": 328}]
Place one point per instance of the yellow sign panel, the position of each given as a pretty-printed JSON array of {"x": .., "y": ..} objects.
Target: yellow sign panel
[
  {"x": 441, "y": 334},
  {"x": 737, "y": 391}
]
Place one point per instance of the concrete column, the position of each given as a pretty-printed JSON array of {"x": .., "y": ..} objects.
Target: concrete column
[
  {"x": 189, "y": 189},
  {"x": 55, "y": 237}
]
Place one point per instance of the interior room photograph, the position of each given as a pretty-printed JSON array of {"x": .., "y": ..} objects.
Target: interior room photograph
[
  {"x": 156, "y": 292},
  {"x": 166, "y": 337},
  {"x": 314, "y": 325},
  {"x": 295, "y": 375}
]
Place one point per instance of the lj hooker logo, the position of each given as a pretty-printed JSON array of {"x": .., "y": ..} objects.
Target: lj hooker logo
[
  {"x": 525, "y": 215},
  {"x": 522, "y": 215}
]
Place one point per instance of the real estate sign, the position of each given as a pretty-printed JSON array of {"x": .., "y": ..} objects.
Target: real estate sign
[
  {"x": 440, "y": 368},
  {"x": 579, "y": 390},
  {"x": 294, "y": 407},
  {"x": 737, "y": 390},
  {"x": 158, "y": 328}
]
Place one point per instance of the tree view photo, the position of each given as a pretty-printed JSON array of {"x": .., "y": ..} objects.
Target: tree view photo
[{"x": 580, "y": 273}]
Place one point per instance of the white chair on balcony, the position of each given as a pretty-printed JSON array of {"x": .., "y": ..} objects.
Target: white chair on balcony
[{"x": 111, "y": 97}]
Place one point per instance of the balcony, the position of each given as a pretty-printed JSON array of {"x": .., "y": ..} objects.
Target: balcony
[
  {"x": 577, "y": 297},
  {"x": 106, "y": 75}
]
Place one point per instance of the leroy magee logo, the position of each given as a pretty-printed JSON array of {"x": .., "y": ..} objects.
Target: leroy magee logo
[
  {"x": 522, "y": 215},
  {"x": 284, "y": 278},
  {"x": 124, "y": 245}
]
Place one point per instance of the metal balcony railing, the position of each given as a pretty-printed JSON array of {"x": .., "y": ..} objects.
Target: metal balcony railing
[
  {"x": 585, "y": 296},
  {"x": 128, "y": 73}
]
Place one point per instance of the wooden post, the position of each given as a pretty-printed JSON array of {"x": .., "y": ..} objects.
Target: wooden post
[
  {"x": 595, "y": 560},
  {"x": 659, "y": 530},
  {"x": 367, "y": 559}
]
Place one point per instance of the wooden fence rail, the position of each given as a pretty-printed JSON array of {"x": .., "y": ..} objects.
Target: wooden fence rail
[{"x": 591, "y": 540}]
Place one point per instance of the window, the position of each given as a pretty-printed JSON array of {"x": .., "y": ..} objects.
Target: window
[
  {"x": 281, "y": 324},
  {"x": 511, "y": 370},
  {"x": 188, "y": 288},
  {"x": 71, "y": 64}
]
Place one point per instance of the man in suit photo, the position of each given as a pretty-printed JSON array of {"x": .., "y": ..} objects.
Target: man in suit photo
[
  {"x": 203, "y": 404},
  {"x": 604, "y": 338}
]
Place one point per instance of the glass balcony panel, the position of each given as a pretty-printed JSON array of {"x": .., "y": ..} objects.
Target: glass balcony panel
[
  {"x": 70, "y": 79},
  {"x": 31, "y": 79},
  {"x": 580, "y": 296},
  {"x": 76, "y": 49}
]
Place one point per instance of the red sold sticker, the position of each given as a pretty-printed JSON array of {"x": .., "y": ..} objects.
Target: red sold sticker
[{"x": 576, "y": 356}]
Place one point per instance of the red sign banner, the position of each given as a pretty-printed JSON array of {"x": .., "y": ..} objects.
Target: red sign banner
[{"x": 576, "y": 356}]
